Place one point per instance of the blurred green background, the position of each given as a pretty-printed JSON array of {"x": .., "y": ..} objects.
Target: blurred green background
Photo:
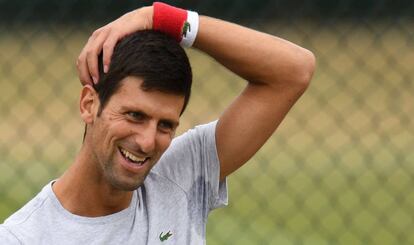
[{"x": 339, "y": 170}]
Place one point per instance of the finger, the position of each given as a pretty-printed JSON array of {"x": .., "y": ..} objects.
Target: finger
[
  {"x": 81, "y": 64},
  {"x": 83, "y": 70},
  {"x": 108, "y": 49},
  {"x": 92, "y": 53}
]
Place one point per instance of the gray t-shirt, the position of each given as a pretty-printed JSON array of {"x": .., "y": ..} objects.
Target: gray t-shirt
[{"x": 171, "y": 207}]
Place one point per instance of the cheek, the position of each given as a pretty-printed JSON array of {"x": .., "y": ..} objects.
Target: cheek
[
  {"x": 164, "y": 142},
  {"x": 110, "y": 131}
]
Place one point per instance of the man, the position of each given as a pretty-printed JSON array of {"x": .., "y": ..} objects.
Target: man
[{"x": 131, "y": 183}]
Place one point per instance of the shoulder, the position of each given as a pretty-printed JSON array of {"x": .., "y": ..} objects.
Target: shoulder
[
  {"x": 199, "y": 132},
  {"x": 7, "y": 237},
  {"x": 191, "y": 144},
  {"x": 191, "y": 164},
  {"x": 29, "y": 209},
  {"x": 28, "y": 217},
  {"x": 187, "y": 152}
]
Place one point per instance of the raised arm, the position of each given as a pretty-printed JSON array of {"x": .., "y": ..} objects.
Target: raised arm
[{"x": 277, "y": 73}]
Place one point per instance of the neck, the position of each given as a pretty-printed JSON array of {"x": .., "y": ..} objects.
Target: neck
[{"x": 84, "y": 191}]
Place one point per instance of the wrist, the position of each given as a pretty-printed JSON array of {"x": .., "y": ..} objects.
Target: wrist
[
  {"x": 180, "y": 24},
  {"x": 148, "y": 13}
]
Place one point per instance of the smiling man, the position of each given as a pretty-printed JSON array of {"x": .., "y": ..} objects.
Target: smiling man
[{"x": 131, "y": 182}]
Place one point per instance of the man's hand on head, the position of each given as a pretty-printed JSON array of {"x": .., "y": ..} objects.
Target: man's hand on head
[
  {"x": 277, "y": 72},
  {"x": 104, "y": 40}
]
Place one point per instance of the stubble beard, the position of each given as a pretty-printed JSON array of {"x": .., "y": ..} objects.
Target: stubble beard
[{"x": 120, "y": 182}]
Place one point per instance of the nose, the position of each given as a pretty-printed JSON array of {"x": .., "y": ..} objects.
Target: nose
[{"x": 146, "y": 138}]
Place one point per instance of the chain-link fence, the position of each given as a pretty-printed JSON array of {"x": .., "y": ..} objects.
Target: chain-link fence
[{"x": 340, "y": 168}]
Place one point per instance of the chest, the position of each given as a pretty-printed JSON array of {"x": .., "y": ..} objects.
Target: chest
[{"x": 172, "y": 217}]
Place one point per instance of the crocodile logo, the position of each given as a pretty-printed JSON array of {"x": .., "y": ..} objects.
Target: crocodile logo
[
  {"x": 186, "y": 28},
  {"x": 164, "y": 237}
]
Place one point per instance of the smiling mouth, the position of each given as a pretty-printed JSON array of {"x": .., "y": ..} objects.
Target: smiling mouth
[{"x": 133, "y": 158}]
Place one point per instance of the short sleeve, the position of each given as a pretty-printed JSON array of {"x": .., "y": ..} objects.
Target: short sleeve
[{"x": 192, "y": 163}]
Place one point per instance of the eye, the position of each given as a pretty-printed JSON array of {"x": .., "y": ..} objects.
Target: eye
[
  {"x": 135, "y": 115},
  {"x": 166, "y": 126}
]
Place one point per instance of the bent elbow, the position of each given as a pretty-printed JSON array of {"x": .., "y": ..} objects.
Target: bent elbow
[{"x": 305, "y": 68}]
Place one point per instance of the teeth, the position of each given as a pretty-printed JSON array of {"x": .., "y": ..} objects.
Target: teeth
[{"x": 132, "y": 157}]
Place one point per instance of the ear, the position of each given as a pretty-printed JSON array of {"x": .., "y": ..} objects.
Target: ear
[{"x": 88, "y": 104}]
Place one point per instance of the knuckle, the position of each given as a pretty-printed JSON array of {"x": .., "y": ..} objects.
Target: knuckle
[
  {"x": 96, "y": 33},
  {"x": 79, "y": 60},
  {"x": 78, "y": 64},
  {"x": 106, "y": 45},
  {"x": 89, "y": 53}
]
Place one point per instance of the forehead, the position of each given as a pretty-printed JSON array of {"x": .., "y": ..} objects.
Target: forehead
[{"x": 130, "y": 95}]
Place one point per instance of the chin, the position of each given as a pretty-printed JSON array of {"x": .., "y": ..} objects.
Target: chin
[
  {"x": 126, "y": 185},
  {"x": 129, "y": 187}
]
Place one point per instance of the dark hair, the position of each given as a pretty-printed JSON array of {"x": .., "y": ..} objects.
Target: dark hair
[{"x": 154, "y": 57}]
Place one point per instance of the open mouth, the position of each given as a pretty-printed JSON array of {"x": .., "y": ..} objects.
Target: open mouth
[{"x": 133, "y": 158}]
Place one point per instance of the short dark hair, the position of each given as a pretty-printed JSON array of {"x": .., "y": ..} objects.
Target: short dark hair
[{"x": 154, "y": 57}]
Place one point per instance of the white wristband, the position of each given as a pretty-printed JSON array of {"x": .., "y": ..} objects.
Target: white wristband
[{"x": 190, "y": 29}]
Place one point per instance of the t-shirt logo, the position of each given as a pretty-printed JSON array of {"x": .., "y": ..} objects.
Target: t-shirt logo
[{"x": 165, "y": 236}]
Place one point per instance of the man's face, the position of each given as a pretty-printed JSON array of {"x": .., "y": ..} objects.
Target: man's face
[{"x": 132, "y": 132}]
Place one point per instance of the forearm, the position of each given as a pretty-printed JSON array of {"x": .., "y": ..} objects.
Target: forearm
[{"x": 255, "y": 56}]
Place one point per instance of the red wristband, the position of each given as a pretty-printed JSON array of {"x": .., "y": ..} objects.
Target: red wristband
[{"x": 169, "y": 19}]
